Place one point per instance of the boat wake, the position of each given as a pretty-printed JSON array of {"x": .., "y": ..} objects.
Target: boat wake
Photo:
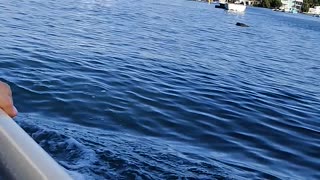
[{"x": 97, "y": 154}]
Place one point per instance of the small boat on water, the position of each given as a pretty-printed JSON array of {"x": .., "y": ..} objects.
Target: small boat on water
[
  {"x": 22, "y": 158},
  {"x": 293, "y": 11},
  {"x": 236, "y": 6}
]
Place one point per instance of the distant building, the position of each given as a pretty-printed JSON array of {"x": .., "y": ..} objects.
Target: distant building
[{"x": 291, "y": 5}]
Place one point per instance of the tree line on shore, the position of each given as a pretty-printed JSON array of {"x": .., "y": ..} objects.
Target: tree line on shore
[
  {"x": 270, "y": 4},
  {"x": 309, "y": 4},
  {"x": 276, "y": 4}
]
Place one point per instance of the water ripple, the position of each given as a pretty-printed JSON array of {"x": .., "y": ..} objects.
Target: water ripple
[{"x": 118, "y": 89}]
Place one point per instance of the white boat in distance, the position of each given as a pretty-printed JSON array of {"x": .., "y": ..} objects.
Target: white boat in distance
[
  {"x": 232, "y": 5},
  {"x": 235, "y": 7}
]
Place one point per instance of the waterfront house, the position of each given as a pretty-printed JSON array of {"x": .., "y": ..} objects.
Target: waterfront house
[{"x": 292, "y": 6}]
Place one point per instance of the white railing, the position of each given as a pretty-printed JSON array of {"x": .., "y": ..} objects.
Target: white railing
[{"x": 22, "y": 158}]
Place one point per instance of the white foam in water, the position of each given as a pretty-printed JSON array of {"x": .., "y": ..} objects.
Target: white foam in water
[
  {"x": 52, "y": 141},
  {"x": 77, "y": 175}
]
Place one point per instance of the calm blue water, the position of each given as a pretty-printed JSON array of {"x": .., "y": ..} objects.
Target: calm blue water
[{"x": 124, "y": 89}]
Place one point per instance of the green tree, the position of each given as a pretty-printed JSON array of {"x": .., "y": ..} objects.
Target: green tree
[
  {"x": 305, "y": 7},
  {"x": 266, "y": 3},
  {"x": 309, "y": 4},
  {"x": 275, "y": 3}
]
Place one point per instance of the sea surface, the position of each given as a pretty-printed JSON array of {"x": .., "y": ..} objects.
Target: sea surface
[{"x": 170, "y": 89}]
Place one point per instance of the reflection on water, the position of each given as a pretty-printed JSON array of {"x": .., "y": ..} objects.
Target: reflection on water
[{"x": 92, "y": 4}]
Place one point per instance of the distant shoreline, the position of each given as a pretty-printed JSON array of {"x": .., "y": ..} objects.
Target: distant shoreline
[{"x": 276, "y": 10}]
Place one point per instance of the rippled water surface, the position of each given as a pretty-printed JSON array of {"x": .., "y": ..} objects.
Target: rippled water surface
[{"x": 123, "y": 89}]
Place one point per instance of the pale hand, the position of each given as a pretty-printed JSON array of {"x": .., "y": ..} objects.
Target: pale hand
[{"x": 6, "y": 102}]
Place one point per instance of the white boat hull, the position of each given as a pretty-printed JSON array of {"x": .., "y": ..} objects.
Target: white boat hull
[
  {"x": 235, "y": 7},
  {"x": 22, "y": 158}
]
